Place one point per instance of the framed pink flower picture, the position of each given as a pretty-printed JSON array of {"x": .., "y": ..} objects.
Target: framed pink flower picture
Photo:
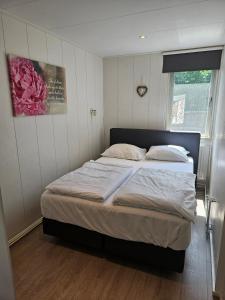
[{"x": 37, "y": 88}]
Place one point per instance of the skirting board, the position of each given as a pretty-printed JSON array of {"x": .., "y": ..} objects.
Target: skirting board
[
  {"x": 214, "y": 292},
  {"x": 21, "y": 234},
  {"x": 212, "y": 259}
]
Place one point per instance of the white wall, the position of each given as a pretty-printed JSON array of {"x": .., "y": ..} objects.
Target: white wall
[
  {"x": 36, "y": 150},
  {"x": 217, "y": 187},
  {"x": 122, "y": 106},
  {"x": 7, "y": 290}
]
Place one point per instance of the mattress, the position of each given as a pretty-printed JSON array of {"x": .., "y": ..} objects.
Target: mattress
[{"x": 132, "y": 224}]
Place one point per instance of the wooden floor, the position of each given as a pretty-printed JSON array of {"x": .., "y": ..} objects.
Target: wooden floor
[{"x": 48, "y": 269}]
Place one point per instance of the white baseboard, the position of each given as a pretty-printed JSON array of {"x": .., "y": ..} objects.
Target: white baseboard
[
  {"x": 214, "y": 292},
  {"x": 212, "y": 259},
  {"x": 21, "y": 234}
]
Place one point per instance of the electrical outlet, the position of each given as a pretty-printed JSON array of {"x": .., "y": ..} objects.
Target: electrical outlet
[{"x": 93, "y": 112}]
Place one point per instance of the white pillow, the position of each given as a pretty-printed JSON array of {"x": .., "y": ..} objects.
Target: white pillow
[
  {"x": 125, "y": 151},
  {"x": 167, "y": 153},
  {"x": 180, "y": 148}
]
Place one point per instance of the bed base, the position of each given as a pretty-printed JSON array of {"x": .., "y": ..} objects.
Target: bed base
[{"x": 149, "y": 254}]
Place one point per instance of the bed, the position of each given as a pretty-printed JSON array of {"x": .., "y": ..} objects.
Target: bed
[{"x": 142, "y": 235}]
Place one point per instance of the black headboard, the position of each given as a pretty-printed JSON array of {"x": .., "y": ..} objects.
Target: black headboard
[{"x": 145, "y": 138}]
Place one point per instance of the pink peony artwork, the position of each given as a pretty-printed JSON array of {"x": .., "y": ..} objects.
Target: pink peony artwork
[{"x": 36, "y": 88}]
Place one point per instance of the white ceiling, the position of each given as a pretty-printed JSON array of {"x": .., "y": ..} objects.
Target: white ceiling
[{"x": 112, "y": 27}]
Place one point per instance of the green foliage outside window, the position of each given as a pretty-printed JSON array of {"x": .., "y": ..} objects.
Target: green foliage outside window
[{"x": 203, "y": 76}]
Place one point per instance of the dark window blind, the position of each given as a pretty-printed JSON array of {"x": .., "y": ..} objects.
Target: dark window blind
[{"x": 193, "y": 61}]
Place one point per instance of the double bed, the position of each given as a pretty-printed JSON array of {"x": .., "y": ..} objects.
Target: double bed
[{"x": 149, "y": 236}]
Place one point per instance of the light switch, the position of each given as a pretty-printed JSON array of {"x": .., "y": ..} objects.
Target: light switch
[{"x": 93, "y": 112}]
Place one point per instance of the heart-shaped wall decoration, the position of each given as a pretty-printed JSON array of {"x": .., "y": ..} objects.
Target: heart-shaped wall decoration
[{"x": 142, "y": 90}]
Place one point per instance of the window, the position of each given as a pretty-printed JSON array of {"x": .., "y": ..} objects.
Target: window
[{"x": 191, "y": 107}]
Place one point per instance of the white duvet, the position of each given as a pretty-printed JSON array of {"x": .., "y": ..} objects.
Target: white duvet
[
  {"x": 161, "y": 190},
  {"x": 93, "y": 181}
]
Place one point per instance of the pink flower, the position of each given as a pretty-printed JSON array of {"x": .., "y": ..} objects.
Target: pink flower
[{"x": 29, "y": 90}]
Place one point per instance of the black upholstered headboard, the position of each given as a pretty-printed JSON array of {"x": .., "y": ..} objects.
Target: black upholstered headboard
[{"x": 145, "y": 138}]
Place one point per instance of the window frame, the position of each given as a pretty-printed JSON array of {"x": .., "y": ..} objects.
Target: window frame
[{"x": 211, "y": 109}]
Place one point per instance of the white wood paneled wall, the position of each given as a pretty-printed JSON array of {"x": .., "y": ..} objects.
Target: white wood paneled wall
[
  {"x": 122, "y": 106},
  {"x": 217, "y": 187},
  {"x": 36, "y": 150}
]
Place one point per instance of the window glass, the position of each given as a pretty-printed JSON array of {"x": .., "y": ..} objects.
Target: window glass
[{"x": 191, "y": 101}]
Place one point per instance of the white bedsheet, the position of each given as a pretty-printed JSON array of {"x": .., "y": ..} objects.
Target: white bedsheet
[
  {"x": 166, "y": 191},
  {"x": 126, "y": 223},
  {"x": 93, "y": 181}
]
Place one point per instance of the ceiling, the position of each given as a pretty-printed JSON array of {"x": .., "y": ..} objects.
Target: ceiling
[{"x": 112, "y": 27}]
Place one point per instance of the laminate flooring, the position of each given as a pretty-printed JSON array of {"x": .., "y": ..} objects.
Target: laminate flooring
[{"x": 48, "y": 269}]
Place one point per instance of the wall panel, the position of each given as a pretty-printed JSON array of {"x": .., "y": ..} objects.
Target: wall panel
[
  {"x": 15, "y": 36},
  {"x": 99, "y": 103},
  {"x": 140, "y": 107},
  {"x": 110, "y": 94},
  {"x": 217, "y": 187},
  {"x": 55, "y": 56},
  {"x": 25, "y": 129},
  {"x": 46, "y": 145},
  {"x": 94, "y": 96},
  {"x": 73, "y": 109},
  {"x": 9, "y": 164},
  {"x": 91, "y": 100},
  {"x": 27, "y": 145},
  {"x": 37, "y": 43},
  {"x": 36, "y": 150},
  {"x": 84, "y": 114},
  {"x": 157, "y": 111},
  {"x": 125, "y": 91},
  {"x": 122, "y": 106}
]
